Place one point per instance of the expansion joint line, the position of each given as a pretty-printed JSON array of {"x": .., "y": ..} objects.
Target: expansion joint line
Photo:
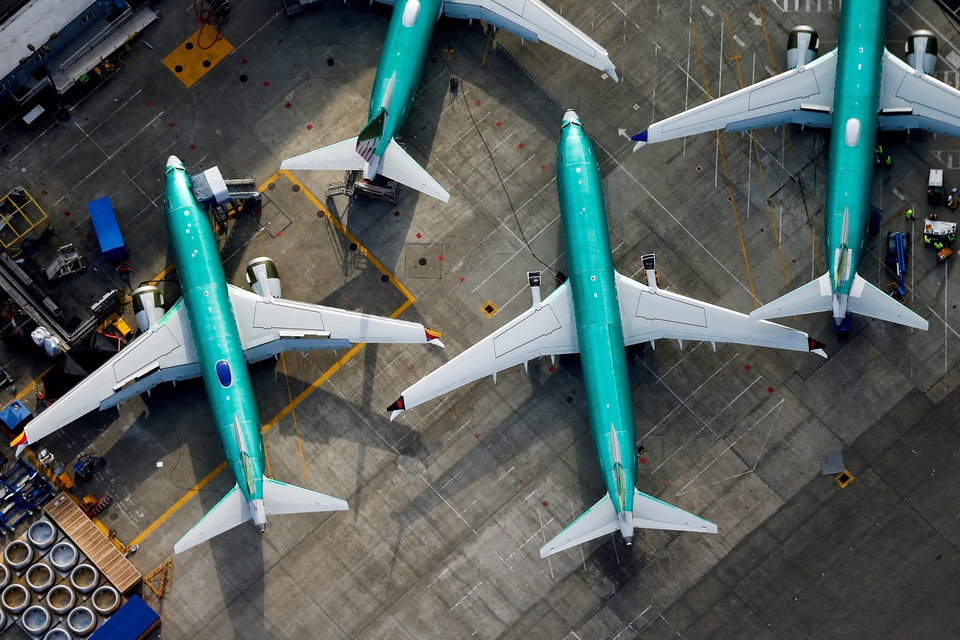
[{"x": 726, "y": 172}]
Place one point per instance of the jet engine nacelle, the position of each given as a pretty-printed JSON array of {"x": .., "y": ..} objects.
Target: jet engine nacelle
[
  {"x": 802, "y": 45},
  {"x": 147, "y": 306},
  {"x": 263, "y": 277},
  {"x": 921, "y": 50}
]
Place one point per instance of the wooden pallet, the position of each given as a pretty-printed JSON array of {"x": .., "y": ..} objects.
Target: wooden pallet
[{"x": 67, "y": 515}]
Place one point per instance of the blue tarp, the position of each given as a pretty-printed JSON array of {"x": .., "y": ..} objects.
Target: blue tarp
[
  {"x": 14, "y": 414},
  {"x": 107, "y": 230},
  {"x": 132, "y": 621}
]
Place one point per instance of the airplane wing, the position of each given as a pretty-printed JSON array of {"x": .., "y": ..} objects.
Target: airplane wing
[
  {"x": 534, "y": 21},
  {"x": 269, "y": 326},
  {"x": 164, "y": 354},
  {"x": 911, "y": 99},
  {"x": 798, "y": 96},
  {"x": 648, "y": 314},
  {"x": 546, "y": 329}
]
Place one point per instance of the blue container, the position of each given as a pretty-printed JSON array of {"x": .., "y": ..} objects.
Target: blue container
[
  {"x": 134, "y": 620},
  {"x": 107, "y": 230}
]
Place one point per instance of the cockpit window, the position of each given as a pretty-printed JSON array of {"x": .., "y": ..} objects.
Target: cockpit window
[{"x": 224, "y": 375}]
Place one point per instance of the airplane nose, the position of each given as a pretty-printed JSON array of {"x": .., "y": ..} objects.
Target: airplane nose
[
  {"x": 571, "y": 116},
  {"x": 173, "y": 161}
]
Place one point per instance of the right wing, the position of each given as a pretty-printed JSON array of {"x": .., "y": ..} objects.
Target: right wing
[
  {"x": 165, "y": 353},
  {"x": 534, "y": 21},
  {"x": 798, "y": 96},
  {"x": 910, "y": 99},
  {"x": 546, "y": 329},
  {"x": 648, "y": 314},
  {"x": 270, "y": 326}
]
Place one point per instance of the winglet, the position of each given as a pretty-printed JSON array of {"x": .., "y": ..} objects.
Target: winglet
[
  {"x": 640, "y": 139},
  {"x": 817, "y": 347},
  {"x": 433, "y": 337},
  {"x": 21, "y": 441},
  {"x": 396, "y": 408}
]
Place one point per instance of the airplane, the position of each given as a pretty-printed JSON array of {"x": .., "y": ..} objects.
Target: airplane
[
  {"x": 852, "y": 90},
  {"x": 598, "y": 313},
  {"x": 375, "y": 151},
  {"x": 214, "y": 331}
]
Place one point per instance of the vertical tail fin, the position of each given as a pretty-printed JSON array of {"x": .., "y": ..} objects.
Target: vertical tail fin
[{"x": 371, "y": 135}]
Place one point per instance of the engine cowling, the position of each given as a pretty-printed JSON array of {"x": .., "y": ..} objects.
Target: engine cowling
[
  {"x": 802, "y": 45},
  {"x": 921, "y": 50},
  {"x": 264, "y": 277},
  {"x": 147, "y": 306}
]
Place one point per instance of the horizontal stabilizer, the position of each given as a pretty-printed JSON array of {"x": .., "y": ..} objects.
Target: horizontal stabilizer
[
  {"x": 398, "y": 165},
  {"x": 650, "y": 513},
  {"x": 868, "y": 300},
  {"x": 812, "y": 297},
  {"x": 598, "y": 521},
  {"x": 231, "y": 511},
  {"x": 279, "y": 497},
  {"x": 340, "y": 156}
]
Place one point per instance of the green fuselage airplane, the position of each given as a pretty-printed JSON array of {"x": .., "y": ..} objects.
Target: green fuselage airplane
[
  {"x": 852, "y": 90},
  {"x": 598, "y": 313},
  {"x": 375, "y": 151},
  {"x": 214, "y": 331}
]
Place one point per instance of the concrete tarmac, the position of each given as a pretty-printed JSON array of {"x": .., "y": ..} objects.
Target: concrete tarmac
[{"x": 450, "y": 503}]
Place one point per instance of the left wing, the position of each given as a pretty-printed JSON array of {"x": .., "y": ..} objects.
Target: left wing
[
  {"x": 269, "y": 326},
  {"x": 546, "y": 329},
  {"x": 165, "y": 353},
  {"x": 534, "y": 21},
  {"x": 911, "y": 99},
  {"x": 651, "y": 313},
  {"x": 803, "y": 95}
]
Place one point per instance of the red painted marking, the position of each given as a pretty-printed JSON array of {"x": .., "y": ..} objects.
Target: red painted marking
[
  {"x": 519, "y": 481},
  {"x": 280, "y": 234},
  {"x": 149, "y": 103},
  {"x": 171, "y": 124},
  {"x": 545, "y": 503},
  {"x": 476, "y": 103},
  {"x": 440, "y": 258},
  {"x": 193, "y": 147},
  {"x": 244, "y": 61},
  {"x": 543, "y": 167},
  {"x": 552, "y": 369},
  {"x": 499, "y": 124},
  {"x": 769, "y": 389},
  {"x": 462, "y": 279},
  {"x": 666, "y": 483},
  {"x": 419, "y": 235},
  {"x": 309, "y": 127},
  {"x": 643, "y": 461},
  {"x": 89, "y": 236},
  {"x": 410, "y": 367},
  {"x": 396, "y": 214},
  {"x": 521, "y": 146},
  {"x": 288, "y": 105},
  {"x": 43, "y": 192},
  {"x": 67, "y": 214},
  {"x": 266, "y": 83},
  {"x": 747, "y": 367},
  {"x": 440, "y": 598}
]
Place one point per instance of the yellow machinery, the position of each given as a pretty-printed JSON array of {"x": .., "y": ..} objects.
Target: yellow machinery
[{"x": 21, "y": 221}]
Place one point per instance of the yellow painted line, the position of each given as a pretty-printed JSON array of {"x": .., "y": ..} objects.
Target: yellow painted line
[
  {"x": 726, "y": 172},
  {"x": 410, "y": 299},
  {"x": 30, "y": 387},
  {"x": 342, "y": 229},
  {"x": 766, "y": 36},
  {"x": 197, "y": 56},
  {"x": 296, "y": 424},
  {"x": 179, "y": 503},
  {"x": 756, "y": 147}
]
